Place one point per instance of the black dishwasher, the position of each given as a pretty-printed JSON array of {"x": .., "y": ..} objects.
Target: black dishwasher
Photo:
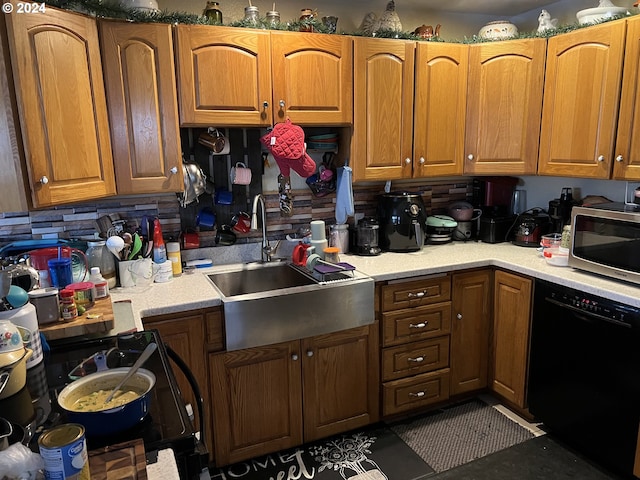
[{"x": 584, "y": 373}]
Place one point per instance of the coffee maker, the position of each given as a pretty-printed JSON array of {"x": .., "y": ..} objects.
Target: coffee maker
[
  {"x": 560, "y": 210},
  {"x": 493, "y": 196},
  {"x": 365, "y": 237}
]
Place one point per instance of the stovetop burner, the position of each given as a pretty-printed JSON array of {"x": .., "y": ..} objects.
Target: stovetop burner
[{"x": 166, "y": 426}]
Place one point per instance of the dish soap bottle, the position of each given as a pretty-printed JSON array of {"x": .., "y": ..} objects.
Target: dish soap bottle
[{"x": 159, "y": 248}]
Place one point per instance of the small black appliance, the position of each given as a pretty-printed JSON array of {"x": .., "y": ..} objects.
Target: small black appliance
[
  {"x": 530, "y": 226},
  {"x": 560, "y": 210},
  {"x": 366, "y": 237},
  {"x": 402, "y": 221}
]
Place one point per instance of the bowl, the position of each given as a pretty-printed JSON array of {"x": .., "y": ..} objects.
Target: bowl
[
  {"x": 556, "y": 256},
  {"x": 551, "y": 240},
  {"x": 598, "y": 14},
  {"x": 498, "y": 30}
]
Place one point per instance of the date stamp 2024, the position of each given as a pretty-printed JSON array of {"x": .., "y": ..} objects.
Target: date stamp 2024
[{"x": 24, "y": 7}]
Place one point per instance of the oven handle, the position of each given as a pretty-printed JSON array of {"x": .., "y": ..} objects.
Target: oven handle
[{"x": 194, "y": 386}]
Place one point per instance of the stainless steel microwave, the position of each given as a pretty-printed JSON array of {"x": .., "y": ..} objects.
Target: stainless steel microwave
[{"x": 606, "y": 240}]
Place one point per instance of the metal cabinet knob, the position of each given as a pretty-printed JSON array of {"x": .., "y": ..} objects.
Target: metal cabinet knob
[
  {"x": 421, "y": 161},
  {"x": 470, "y": 156},
  {"x": 601, "y": 158},
  {"x": 309, "y": 353},
  {"x": 459, "y": 316},
  {"x": 619, "y": 158},
  {"x": 416, "y": 360},
  {"x": 407, "y": 160},
  {"x": 174, "y": 170},
  {"x": 282, "y": 104},
  {"x": 265, "y": 105},
  {"x": 44, "y": 180},
  {"x": 294, "y": 356}
]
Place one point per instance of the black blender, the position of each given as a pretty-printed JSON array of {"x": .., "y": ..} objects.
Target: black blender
[{"x": 366, "y": 237}]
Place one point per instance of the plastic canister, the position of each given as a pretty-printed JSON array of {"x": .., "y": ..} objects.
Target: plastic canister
[
  {"x": 26, "y": 318},
  {"x": 82, "y": 293},
  {"x": 339, "y": 237},
  {"x": 47, "y": 304},
  {"x": 165, "y": 272},
  {"x": 173, "y": 255}
]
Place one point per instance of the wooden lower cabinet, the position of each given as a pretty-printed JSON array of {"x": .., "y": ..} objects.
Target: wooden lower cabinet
[
  {"x": 275, "y": 397},
  {"x": 510, "y": 339},
  {"x": 191, "y": 334},
  {"x": 471, "y": 310}
]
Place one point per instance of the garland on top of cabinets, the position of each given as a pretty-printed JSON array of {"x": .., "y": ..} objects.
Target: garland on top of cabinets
[{"x": 102, "y": 8}]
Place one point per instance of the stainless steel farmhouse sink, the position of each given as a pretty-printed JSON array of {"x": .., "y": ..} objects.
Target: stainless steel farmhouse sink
[{"x": 269, "y": 303}]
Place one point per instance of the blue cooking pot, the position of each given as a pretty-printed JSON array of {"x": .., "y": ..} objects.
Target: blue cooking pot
[{"x": 113, "y": 420}]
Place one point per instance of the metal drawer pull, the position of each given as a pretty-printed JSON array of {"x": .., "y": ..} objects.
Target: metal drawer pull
[
  {"x": 417, "y": 295},
  {"x": 415, "y": 360},
  {"x": 419, "y": 394},
  {"x": 418, "y": 325}
]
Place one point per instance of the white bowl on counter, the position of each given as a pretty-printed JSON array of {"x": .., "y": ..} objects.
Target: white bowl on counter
[
  {"x": 598, "y": 14},
  {"x": 557, "y": 256}
]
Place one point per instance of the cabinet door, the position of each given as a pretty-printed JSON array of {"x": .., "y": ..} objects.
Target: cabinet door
[
  {"x": 471, "y": 298},
  {"x": 224, "y": 76},
  {"x": 143, "y": 112},
  {"x": 312, "y": 78},
  {"x": 13, "y": 182},
  {"x": 439, "y": 109},
  {"x": 257, "y": 401},
  {"x": 581, "y": 95},
  {"x": 503, "y": 107},
  {"x": 340, "y": 381},
  {"x": 627, "y": 152},
  {"x": 511, "y": 323},
  {"x": 383, "y": 109},
  {"x": 185, "y": 334},
  {"x": 63, "y": 112}
]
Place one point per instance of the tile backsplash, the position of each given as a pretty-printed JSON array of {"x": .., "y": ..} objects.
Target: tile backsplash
[{"x": 79, "y": 221}]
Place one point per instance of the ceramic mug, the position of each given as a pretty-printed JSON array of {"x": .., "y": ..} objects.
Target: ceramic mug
[
  {"x": 215, "y": 141},
  {"x": 241, "y": 222},
  {"x": 225, "y": 236},
  {"x": 190, "y": 240},
  {"x": 206, "y": 218},
  {"x": 223, "y": 197},
  {"x": 240, "y": 174}
]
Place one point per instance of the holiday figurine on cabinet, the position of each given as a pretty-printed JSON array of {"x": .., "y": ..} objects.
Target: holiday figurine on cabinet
[
  {"x": 545, "y": 22},
  {"x": 388, "y": 20}
]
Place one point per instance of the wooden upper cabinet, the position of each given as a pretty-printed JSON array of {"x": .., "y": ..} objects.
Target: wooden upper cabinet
[
  {"x": 503, "y": 107},
  {"x": 626, "y": 164},
  {"x": 383, "y": 109},
  {"x": 141, "y": 91},
  {"x": 582, "y": 89},
  {"x": 224, "y": 76},
  {"x": 63, "y": 113},
  {"x": 439, "y": 109},
  {"x": 312, "y": 78}
]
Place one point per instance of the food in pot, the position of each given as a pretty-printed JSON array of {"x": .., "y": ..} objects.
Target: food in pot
[{"x": 95, "y": 401}]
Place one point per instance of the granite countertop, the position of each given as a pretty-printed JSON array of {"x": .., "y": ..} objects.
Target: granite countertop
[{"x": 193, "y": 290}]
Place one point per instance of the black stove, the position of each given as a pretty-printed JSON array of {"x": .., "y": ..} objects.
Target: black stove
[{"x": 166, "y": 426}]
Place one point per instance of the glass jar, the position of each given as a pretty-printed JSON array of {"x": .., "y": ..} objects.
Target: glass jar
[
  {"x": 251, "y": 15},
  {"x": 213, "y": 13},
  {"x": 306, "y": 14},
  {"x": 273, "y": 18},
  {"x": 98, "y": 255},
  {"x": 339, "y": 237},
  {"x": 331, "y": 255}
]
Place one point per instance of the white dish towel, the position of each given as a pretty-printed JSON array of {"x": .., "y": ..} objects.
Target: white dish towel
[{"x": 344, "y": 195}]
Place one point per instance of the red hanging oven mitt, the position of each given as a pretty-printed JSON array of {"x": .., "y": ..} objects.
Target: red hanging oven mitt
[{"x": 286, "y": 144}]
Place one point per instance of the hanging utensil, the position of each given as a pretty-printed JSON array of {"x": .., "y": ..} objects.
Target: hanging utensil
[
  {"x": 137, "y": 246},
  {"x": 139, "y": 362}
]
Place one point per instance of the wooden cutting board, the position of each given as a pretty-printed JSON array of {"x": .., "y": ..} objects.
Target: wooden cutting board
[
  {"x": 123, "y": 461},
  {"x": 97, "y": 319}
]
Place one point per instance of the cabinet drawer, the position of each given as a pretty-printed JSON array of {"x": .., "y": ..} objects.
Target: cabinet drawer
[
  {"x": 414, "y": 392},
  {"x": 415, "y": 358},
  {"x": 416, "y": 293},
  {"x": 412, "y": 324}
]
